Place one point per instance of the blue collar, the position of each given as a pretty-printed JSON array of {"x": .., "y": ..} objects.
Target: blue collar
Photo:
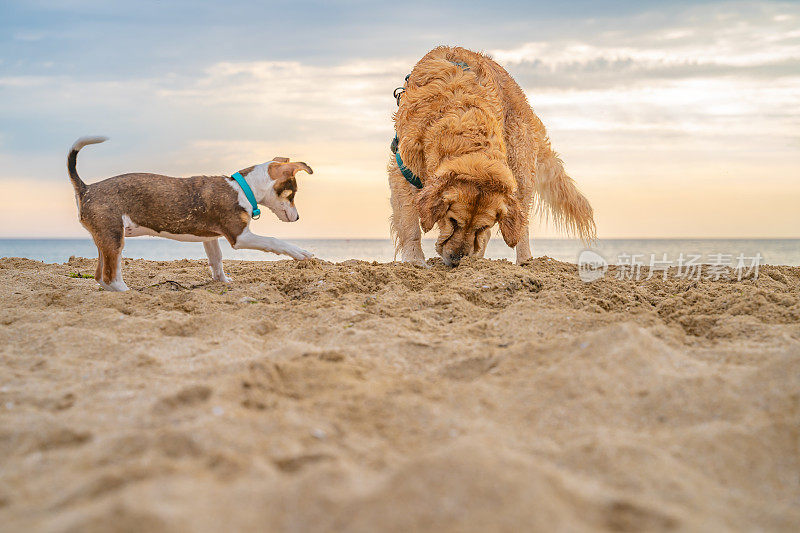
[{"x": 248, "y": 192}]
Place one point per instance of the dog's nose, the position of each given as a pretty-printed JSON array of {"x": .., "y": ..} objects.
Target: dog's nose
[
  {"x": 455, "y": 259},
  {"x": 297, "y": 217}
]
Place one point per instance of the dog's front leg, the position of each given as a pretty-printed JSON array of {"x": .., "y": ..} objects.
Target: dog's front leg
[
  {"x": 405, "y": 218},
  {"x": 215, "y": 261},
  {"x": 524, "y": 247},
  {"x": 250, "y": 241}
]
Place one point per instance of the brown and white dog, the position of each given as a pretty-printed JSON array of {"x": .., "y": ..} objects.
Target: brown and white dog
[
  {"x": 195, "y": 209},
  {"x": 467, "y": 131}
]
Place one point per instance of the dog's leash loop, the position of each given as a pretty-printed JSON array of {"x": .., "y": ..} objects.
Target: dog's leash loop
[{"x": 398, "y": 93}]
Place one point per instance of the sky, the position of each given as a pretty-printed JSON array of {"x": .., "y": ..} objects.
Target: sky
[{"x": 676, "y": 119}]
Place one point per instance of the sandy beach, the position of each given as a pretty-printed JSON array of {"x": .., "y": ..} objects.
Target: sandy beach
[{"x": 310, "y": 396}]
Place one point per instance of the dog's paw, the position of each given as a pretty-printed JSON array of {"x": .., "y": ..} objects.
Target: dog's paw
[
  {"x": 298, "y": 253},
  {"x": 420, "y": 262},
  {"x": 114, "y": 286},
  {"x": 224, "y": 278}
]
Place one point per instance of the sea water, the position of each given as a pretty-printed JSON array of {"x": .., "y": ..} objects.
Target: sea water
[{"x": 771, "y": 251}]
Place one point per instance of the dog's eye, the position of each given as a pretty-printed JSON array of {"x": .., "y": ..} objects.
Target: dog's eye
[
  {"x": 454, "y": 222},
  {"x": 482, "y": 228}
]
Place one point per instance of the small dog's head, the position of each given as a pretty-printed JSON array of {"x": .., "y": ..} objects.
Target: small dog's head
[{"x": 283, "y": 186}]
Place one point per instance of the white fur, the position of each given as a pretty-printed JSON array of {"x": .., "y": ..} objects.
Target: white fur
[
  {"x": 263, "y": 187},
  {"x": 246, "y": 240},
  {"x": 251, "y": 241},
  {"x": 117, "y": 284},
  {"x": 76, "y": 146},
  {"x": 215, "y": 261},
  {"x": 132, "y": 229},
  {"x": 85, "y": 141}
]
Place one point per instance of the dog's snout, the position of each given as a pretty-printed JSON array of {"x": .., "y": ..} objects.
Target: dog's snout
[{"x": 455, "y": 259}]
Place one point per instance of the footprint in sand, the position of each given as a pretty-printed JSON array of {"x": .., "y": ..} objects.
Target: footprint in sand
[
  {"x": 470, "y": 368},
  {"x": 52, "y": 439},
  {"x": 291, "y": 465},
  {"x": 187, "y": 397},
  {"x": 310, "y": 375}
]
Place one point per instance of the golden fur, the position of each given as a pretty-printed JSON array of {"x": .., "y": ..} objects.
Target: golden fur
[{"x": 483, "y": 157}]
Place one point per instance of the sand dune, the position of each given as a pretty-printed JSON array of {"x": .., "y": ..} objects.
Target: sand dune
[{"x": 383, "y": 397}]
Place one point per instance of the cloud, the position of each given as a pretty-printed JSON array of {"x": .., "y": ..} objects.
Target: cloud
[
  {"x": 354, "y": 96},
  {"x": 694, "y": 97},
  {"x": 28, "y": 36},
  {"x": 706, "y": 41},
  {"x": 712, "y": 80}
]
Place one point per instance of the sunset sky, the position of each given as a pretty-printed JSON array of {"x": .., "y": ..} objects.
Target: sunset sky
[{"x": 676, "y": 119}]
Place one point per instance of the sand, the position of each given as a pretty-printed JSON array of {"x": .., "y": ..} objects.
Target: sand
[{"x": 384, "y": 397}]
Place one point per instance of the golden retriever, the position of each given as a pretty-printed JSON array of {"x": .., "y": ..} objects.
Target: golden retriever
[{"x": 467, "y": 131}]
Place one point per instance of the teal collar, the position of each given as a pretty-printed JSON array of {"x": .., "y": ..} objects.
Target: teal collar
[
  {"x": 410, "y": 177},
  {"x": 248, "y": 192}
]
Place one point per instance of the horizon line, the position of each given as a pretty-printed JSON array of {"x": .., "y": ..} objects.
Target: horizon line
[{"x": 534, "y": 239}]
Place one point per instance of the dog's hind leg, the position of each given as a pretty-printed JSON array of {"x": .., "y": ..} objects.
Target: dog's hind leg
[
  {"x": 112, "y": 271},
  {"x": 521, "y": 145},
  {"x": 98, "y": 273},
  {"x": 215, "y": 261},
  {"x": 110, "y": 244},
  {"x": 405, "y": 219}
]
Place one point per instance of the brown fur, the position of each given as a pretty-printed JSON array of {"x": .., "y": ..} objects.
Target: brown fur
[
  {"x": 284, "y": 176},
  {"x": 483, "y": 157},
  {"x": 285, "y": 170},
  {"x": 200, "y": 208},
  {"x": 205, "y": 206}
]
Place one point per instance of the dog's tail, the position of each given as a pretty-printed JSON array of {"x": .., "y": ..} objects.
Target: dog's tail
[
  {"x": 559, "y": 197},
  {"x": 72, "y": 162}
]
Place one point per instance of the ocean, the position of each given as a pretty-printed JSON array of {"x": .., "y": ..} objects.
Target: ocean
[{"x": 614, "y": 251}]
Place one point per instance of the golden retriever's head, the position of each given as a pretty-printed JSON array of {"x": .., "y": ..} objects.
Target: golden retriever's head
[{"x": 465, "y": 213}]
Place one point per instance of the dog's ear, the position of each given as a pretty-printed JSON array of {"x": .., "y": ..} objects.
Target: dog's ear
[
  {"x": 512, "y": 221},
  {"x": 298, "y": 166},
  {"x": 285, "y": 171},
  {"x": 431, "y": 205},
  {"x": 281, "y": 159}
]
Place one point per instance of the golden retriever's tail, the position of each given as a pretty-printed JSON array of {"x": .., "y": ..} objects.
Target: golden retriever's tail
[{"x": 560, "y": 200}]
